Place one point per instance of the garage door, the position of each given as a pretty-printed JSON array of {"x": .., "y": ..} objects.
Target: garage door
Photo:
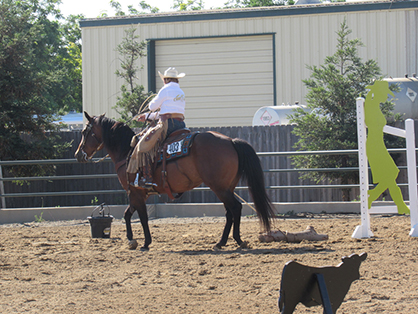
[{"x": 227, "y": 78}]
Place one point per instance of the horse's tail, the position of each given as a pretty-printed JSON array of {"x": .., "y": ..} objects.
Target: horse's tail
[{"x": 250, "y": 170}]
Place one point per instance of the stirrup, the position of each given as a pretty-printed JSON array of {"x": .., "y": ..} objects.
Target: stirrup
[
  {"x": 143, "y": 185},
  {"x": 135, "y": 185}
]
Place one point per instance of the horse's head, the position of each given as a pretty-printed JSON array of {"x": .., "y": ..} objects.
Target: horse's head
[{"x": 91, "y": 140}]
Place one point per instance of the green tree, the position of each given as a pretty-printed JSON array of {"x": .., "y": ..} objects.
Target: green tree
[
  {"x": 133, "y": 94},
  {"x": 30, "y": 76},
  {"x": 146, "y": 9},
  {"x": 331, "y": 124},
  {"x": 69, "y": 92},
  {"x": 189, "y": 5}
]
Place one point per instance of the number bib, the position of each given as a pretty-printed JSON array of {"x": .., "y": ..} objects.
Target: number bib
[{"x": 175, "y": 147}]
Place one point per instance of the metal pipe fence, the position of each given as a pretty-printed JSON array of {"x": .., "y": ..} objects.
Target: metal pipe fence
[{"x": 107, "y": 176}]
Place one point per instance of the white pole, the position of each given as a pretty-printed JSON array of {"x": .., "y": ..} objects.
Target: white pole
[
  {"x": 362, "y": 231},
  {"x": 412, "y": 175}
]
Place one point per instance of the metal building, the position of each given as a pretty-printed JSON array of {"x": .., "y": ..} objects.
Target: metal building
[{"x": 239, "y": 60}]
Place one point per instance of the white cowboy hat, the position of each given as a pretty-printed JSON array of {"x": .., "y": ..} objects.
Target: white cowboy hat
[{"x": 171, "y": 73}]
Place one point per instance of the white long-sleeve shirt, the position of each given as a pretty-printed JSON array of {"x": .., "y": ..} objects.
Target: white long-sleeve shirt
[{"x": 170, "y": 99}]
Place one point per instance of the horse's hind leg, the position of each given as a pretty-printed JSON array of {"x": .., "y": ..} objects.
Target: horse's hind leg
[
  {"x": 227, "y": 229},
  {"x": 233, "y": 217},
  {"x": 143, "y": 216}
]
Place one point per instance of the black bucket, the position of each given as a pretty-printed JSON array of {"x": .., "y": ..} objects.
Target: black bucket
[{"x": 100, "y": 226}]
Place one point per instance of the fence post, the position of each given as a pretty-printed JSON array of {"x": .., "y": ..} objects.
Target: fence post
[
  {"x": 362, "y": 231},
  {"x": 3, "y": 199},
  {"x": 412, "y": 175}
]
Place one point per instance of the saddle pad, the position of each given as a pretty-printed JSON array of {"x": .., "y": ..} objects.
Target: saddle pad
[{"x": 177, "y": 149}]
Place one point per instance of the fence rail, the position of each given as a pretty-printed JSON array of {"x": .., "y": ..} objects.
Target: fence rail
[
  {"x": 106, "y": 176},
  {"x": 76, "y": 184}
]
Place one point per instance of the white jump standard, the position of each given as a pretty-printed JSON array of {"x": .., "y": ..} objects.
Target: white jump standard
[{"x": 363, "y": 230}]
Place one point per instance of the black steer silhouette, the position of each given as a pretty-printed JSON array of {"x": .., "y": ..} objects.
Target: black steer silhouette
[{"x": 306, "y": 284}]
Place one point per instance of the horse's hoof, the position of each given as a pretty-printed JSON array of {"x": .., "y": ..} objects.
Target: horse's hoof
[
  {"x": 218, "y": 247},
  {"x": 144, "y": 249},
  {"x": 244, "y": 245},
  {"x": 132, "y": 244}
]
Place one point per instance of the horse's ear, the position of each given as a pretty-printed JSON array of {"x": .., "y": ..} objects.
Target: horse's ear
[
  {"x": 88, "y": 117},
  {"x": 102, "y": 115}
]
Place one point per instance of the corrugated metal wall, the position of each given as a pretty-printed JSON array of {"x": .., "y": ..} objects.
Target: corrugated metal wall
[
  {"x": 223, "y": 75},
  {"x": 390, "y": 37}
]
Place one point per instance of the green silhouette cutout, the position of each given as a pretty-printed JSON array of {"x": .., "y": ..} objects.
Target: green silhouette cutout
[{"x": 384, "y": 169}]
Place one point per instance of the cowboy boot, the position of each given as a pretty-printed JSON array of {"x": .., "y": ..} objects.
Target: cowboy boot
[
  {"x": 146, "y": 180},
  {"x": 142, "y": 181},
  {"x": 133, "y": 179}
]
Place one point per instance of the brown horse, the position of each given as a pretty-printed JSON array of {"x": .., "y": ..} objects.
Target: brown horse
[{"x": 214, "y": 159}]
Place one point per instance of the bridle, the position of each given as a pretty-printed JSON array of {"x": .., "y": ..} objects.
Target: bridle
[{"x": 88, "y": 130}]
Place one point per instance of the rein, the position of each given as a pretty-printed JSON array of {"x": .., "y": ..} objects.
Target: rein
[
  {"x": 101, "y": 159},
  {"x": 142, "y": 109}
]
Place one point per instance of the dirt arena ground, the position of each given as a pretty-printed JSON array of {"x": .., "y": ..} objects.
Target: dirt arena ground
[{"x": 56, "y": 267}]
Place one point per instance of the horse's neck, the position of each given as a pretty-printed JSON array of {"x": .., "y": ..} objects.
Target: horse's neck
[
  {"x": 120, "y": 168},
  {"x": 117, "y": 158},
  {"x": 117, "y": 141}
]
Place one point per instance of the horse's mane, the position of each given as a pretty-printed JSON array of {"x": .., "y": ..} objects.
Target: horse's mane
[{"x": 116, "y": 135}]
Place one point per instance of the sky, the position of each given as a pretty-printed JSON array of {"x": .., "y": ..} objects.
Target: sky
[{"x": 93, "y": 8}]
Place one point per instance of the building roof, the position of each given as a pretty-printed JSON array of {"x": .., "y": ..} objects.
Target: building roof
[{"x": 287, "y": 10}]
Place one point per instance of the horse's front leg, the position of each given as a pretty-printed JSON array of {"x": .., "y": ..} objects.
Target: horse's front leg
[
  {"x": 132, "y": 244},
  {"x": 137, "y": 199}
]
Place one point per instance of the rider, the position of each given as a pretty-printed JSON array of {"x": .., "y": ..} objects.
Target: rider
[
  {"x": 171, "y": 104},
  {"x": 170, "y": 100}
]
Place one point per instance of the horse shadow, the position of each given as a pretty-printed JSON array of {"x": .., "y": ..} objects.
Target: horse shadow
[{"x": 255, "y": 251}]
